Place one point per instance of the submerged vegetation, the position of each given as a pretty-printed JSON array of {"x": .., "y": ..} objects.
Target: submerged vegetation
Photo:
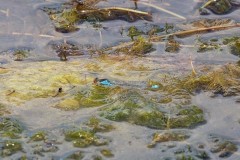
[
  {"x": 222, "y": 147},
  {"x": 66, "y": 17},
  {"x": 10, "y": 128},
  {"x": 134, "y": 108}
]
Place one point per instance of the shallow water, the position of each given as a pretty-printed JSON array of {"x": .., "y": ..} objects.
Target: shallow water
[{"x": 28, "y": 87}]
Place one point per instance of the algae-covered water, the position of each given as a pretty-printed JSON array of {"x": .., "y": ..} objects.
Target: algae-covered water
[{"x": 167, "y": 87}]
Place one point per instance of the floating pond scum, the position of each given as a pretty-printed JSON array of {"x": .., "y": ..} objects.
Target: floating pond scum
[{"x": 120, "y": 80}]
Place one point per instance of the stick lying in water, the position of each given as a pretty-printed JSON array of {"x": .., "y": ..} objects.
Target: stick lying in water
[{"x": 182, "y": 34}]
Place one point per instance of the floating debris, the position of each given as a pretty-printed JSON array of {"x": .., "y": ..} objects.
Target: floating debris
[
  {"x": 153, "y": 85},
  {"x": 104, "y": 82}
]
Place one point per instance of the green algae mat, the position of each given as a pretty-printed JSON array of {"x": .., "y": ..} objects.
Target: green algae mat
[{"x": 139, "y": 80}]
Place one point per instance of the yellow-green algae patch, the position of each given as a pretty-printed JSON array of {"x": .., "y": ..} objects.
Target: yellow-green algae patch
[
  {"x": 41, "y": 80},
  {"x": 94, "y": 67},
  {"x": 68, "y": 104},
  {"x": 92, "y": 96}
]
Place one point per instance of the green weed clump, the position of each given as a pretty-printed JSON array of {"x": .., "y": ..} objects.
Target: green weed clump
[
  {"x": 9, "y": 148},
  {"x": 39, "y": 136},
  {"x": 132, "y": 107},
  {"x": 10, "y": 128},
  {"x": 134, "y": 32},
  {"x": 204, "y": 46},
  {"x": 98, "y": 96},
  {"x": 172, "y": 45},
  {"x": 65, "y": 21},
  {"x": 234, "y": 45},
  {"x": 140, "y": 47},
  {"x": 187, "y": 118},
  {"x": 19, "y": 55},
  {"x": 83, "y": 138},
  {"x": 97, "y": 126}
]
